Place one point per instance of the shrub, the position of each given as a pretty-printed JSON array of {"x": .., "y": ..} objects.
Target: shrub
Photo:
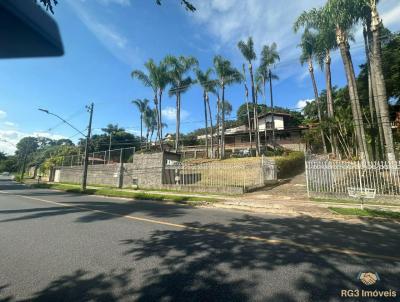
[{"x": 290, "y": 165}]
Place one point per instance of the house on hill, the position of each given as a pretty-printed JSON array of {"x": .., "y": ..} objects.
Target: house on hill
[{"x": 288, "y": 135}]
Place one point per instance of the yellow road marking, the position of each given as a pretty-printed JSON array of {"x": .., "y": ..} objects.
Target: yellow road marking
[{"x": 305, "y": 247}]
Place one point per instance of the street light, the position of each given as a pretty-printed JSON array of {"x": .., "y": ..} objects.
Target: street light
[
  {"x": 86, "y": 161},
  {"x": 59, "y": 117}
]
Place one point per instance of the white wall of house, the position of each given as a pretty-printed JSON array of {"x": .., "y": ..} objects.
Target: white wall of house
[{"x": 278, "y": 120}]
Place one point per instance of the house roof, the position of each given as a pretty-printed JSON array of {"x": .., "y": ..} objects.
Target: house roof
[{"x": 275, "y": 113}]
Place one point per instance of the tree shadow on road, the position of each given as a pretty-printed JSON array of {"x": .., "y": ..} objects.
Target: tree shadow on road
[
  {"x": 83, "y": 286},
  {"x": 213, "y": 262},
  {"x": 93, "y": 211}
]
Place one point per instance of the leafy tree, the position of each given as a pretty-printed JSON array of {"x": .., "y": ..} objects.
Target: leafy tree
[
  {"x": 3, "y": 156},
  {"x": 9, "y": 164}
]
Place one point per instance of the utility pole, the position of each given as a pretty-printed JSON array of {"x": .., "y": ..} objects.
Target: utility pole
[
  {"x": 272, "y": 110},
  {"x": 109, "y": 148},
  {"x": 86, "y": 159}
]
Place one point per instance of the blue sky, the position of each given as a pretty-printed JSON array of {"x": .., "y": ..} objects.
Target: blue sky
[{"x": 106, "y": 39}]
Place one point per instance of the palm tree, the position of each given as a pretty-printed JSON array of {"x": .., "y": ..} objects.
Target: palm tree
[
  {"x": 344, "y": 14},
  {"x": 226, "y": 108},
  {"x": 208, "y": 85},
  {"x": 262, "y": 76},
  {"x": 142, "y": 106},
  {"x": 157, "y": 79},
  {"x": 324, "y": 42},
  {"x": 376, "y": 70},
  {"x": 247, "y": 50},
  {"x": 246, "y": 91},
  {"x": 308, "y": 46},
  {"x": 178, "y": 67},
  {"x": 151, "y": 122},
  {"x": 269, "y": 56},
  {"x": 227, "y": 75}
]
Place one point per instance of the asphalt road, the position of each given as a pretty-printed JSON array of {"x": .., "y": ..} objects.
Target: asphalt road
[{"x": 58, "y": 246}]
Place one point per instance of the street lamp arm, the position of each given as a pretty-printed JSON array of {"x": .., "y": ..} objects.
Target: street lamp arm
[{"x": 59, "y": 117}]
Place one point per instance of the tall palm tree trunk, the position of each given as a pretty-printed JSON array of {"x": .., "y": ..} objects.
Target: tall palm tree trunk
[
  {"x": 178, "y": 121},
  {"x": 206, "y": 120},
  {"x": 248, "y": 118},
  {"x": 378, "y": 117},
  {"x": 353, "y": 92},
  {"x": 376, "y": 150},
  {"x": 311, "y": 70},
  {"x": 218, "y": 126},
  {"x": 158, "y": 120},
  {"x": 141, "y": 130},
  {"x": 272, "y": 110},
  {"x": 222, "y": 121},
  {"x": 255, "y": 111},
  {"x": 376, "y": 69},
  {"x": 246, "y": 91},
  {"x": 211, "y": 125},
  {"x": 265, "y": 118},
  {"x": 329, "y": 99}
]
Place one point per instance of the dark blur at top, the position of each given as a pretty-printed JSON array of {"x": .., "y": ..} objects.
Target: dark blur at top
[{"x": 27, "y": 31}]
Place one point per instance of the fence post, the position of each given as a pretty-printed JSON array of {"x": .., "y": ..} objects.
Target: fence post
[
  {"x": 262, "y": 177},
  {"x": 307, "y": 183},
  {"x": 121, "y": 171},
  {"x": 359, "y": 173}
]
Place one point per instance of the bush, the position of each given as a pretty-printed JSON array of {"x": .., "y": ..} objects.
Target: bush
[{"x": 290, "y": 165}]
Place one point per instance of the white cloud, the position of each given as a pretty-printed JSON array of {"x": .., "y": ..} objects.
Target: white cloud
[
  {"x": 169, "y": 113},
  {"x": 118, "y": 2},
  {"x": 3, "y": 114},
  {"x": 230, "y": 21},
  {"x": 303, "y": 103},
  {"x": 106, "y": 32},
  {"x": 10, "y": 138},
  {"x": 10, "y": 124}
]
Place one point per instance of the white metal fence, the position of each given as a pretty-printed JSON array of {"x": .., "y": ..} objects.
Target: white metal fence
[
  {"x": 333, "y": 178},
  {"x": 100, "y": 158},
  {"x": 217, "y": 174}
]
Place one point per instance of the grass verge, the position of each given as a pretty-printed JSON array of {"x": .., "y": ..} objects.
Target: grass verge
[
  {"x": 111, "y": 192},
  {"x": 366, "y": 213},
  {"x": 355, "y": 202}
]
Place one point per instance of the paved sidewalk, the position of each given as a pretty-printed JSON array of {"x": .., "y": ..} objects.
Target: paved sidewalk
[{"x": 287, "y": 198}]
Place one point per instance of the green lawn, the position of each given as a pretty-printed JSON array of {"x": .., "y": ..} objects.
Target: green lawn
[
  {"x": 112, "y": 192},
  {"x": 366, "y": 213}
]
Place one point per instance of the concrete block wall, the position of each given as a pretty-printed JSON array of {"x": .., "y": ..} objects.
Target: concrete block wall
[
  {"x": 106, "y": 175},
  {"x": 145, "y": 171}
]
